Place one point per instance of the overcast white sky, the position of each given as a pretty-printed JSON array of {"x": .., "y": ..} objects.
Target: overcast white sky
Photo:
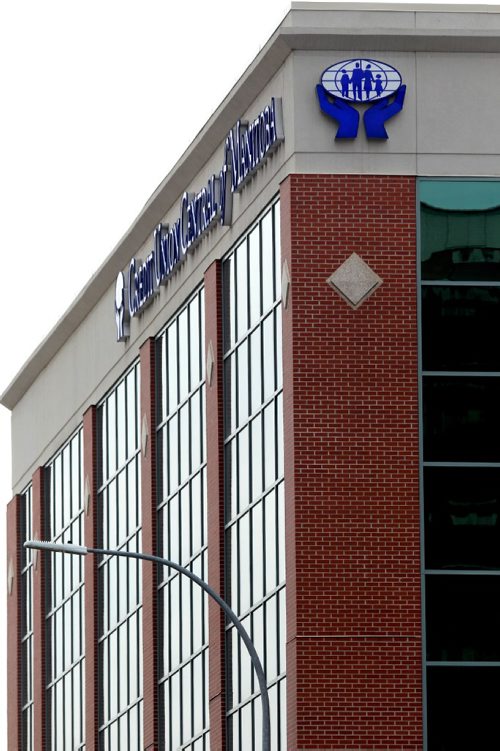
[{"x": 98, "y": 101}]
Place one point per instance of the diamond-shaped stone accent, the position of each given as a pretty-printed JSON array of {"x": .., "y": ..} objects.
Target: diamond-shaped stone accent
[
  {"x": 285, "y": 284},
  {"x": 354, "y": 280},
  {"x": 144, "y": 435},
  {"x": 10, "y": 577},
  {"x": 210, "y": 363}
]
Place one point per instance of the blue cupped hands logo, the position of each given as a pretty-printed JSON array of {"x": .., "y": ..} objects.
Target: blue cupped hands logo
[{"x": 361, "y": 81}]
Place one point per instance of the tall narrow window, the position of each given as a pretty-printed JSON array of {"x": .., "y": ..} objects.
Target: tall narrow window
[
  {"x": 65, "y": 616},
  {"x": 254, "y": 490},
  {"x": 182, "y": 521},
  {"x": 460, "y": 362},
  {"x": 27, "y": 738},
  {"x": 120, "y": 582}
]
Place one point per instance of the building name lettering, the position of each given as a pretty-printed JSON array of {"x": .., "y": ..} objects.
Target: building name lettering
[{"x": 246, "y": 147}]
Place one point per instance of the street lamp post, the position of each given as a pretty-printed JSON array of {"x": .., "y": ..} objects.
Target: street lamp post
[{"x": 257, "y": 666}]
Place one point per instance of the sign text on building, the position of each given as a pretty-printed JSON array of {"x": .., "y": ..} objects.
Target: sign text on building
[{"x": 246, "y": 147}]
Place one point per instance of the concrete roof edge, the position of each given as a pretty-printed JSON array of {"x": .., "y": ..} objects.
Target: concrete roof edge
[
  {"x": 257, "y": 75},
  {"x": 396, "y": 40},
  {"x": 396, "y": 7},
  {"x": 284, "y": 40}
]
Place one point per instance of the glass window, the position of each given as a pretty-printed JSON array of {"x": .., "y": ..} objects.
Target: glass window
[
  {"x": 460, "y": 297},
  {"x": 462, "y": 708},
  {"x": 119, "y": 579},
  {"x": 241, "y": 290},
  {"x": 460, "y": 325},
  {"x": 182, "y": 521},
  {"x": 462, "y": 517},
  {"x": 254, "y": 274},
  {"x": 460, "y": 230},
  {"x": 65, "y": 616},
  {"x": 172, "y": 366},
  {"x": 461, "y": 418},
  {"x": 463, "y": 618},
  {"x": 229, "y": 310},
  {"x": 242, "y": 469},
  {"x": 27, "y": 738},
  {"x": 254, "y": 475}
]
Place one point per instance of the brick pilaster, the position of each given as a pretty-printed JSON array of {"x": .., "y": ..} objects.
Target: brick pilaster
[
  {"x": 350, "y": 386},
  {"x": 215, "y": 500},
  {"x": 91, "y": 583},
  {"x": 40, "y": 570},
  {"x": 289, "y": 458},
  {"x": 149, "y": 570},
  {"x": 14, "y": 616}
]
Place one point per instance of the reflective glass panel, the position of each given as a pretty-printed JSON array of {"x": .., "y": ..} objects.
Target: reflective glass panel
[
  {"x": 459, "y": 328},
  {"x": 460, "y": 230},
  {"x": 461, "y": 418},
  {"x": 253, "y": 473},
  {"x": 120, "y": 586},
  {"x": 182, "y": 521},
  {"x": 462, "y": 517},
  {"x": 26, "y": 667},
  {"x": 460, "y": 266},
  {"x": 463, "y": 708},
  {"x": 463, "y": 618},
  {"x": 65, "y": 600}
]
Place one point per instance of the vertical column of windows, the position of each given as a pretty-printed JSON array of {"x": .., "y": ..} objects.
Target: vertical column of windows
[
  {"x": 182, "y": 534},
  {"x": 460, "y": 313},
  {"x": 254, "y": 488},
  {"x": 27, "y": 624},
  {"x": 120, "y": 626},
  {"x": 65, "y": 617}
]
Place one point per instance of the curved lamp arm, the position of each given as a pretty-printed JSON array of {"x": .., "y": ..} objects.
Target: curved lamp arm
[{"x": 257, "y": 665}]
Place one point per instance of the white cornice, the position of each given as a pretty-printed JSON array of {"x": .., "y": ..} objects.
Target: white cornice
[{"x": 297, "y": 32}]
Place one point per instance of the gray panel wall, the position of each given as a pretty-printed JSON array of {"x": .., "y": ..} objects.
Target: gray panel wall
[{"x": 449, "y": 126}]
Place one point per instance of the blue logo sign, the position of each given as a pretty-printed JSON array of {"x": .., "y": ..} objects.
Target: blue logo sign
[
  {"x": 121, "y": 316},
  {"x": 361, "y": 81},
  {"x": 246, "y": 148}
]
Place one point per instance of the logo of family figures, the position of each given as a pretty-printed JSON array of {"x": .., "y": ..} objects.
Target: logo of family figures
[
  {"x": 362, "y": 81},
  {"x": 121, "y": 317}
]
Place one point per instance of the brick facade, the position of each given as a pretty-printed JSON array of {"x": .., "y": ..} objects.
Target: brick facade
[
  {"x": 90, "y": 521},
  {"x": 354, "y": 654},
  {"x": 39, "y": 612},
  {"x": 149, "y": 570},
  {"x": 14, "y": 595},
  {"x": 215, "y": 501}
]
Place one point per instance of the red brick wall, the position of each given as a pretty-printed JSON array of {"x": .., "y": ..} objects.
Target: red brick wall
[
  {"x": 39, "y": 576},
  {"x": 215, "y": 501},
  {"x": 149, "y": 570},
  {"x": 90, "y": 521},
  {"x": 354, "y": 658},
  {"x": 14, "y": 700}
]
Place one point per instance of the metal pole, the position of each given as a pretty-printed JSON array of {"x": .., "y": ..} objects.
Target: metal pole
[{"x": 257, "y": 666}]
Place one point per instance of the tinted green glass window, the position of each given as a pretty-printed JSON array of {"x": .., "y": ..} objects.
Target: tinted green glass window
[
  {"x": 461, "y": 419},
  {"x": 460, "y": 316},
  {"x": 462, "y": 517},
  {"x": 463, "y": 618},
  {"x": 463, "y": 708},
  {"x": 460, "y": 230},
  {"x": 459, "y": 328}
]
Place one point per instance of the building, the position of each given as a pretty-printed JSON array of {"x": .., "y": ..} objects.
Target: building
[{"x": 302, "y": 406}]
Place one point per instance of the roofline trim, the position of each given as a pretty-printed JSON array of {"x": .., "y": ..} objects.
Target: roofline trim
[{"x": 285, "y": 40}]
